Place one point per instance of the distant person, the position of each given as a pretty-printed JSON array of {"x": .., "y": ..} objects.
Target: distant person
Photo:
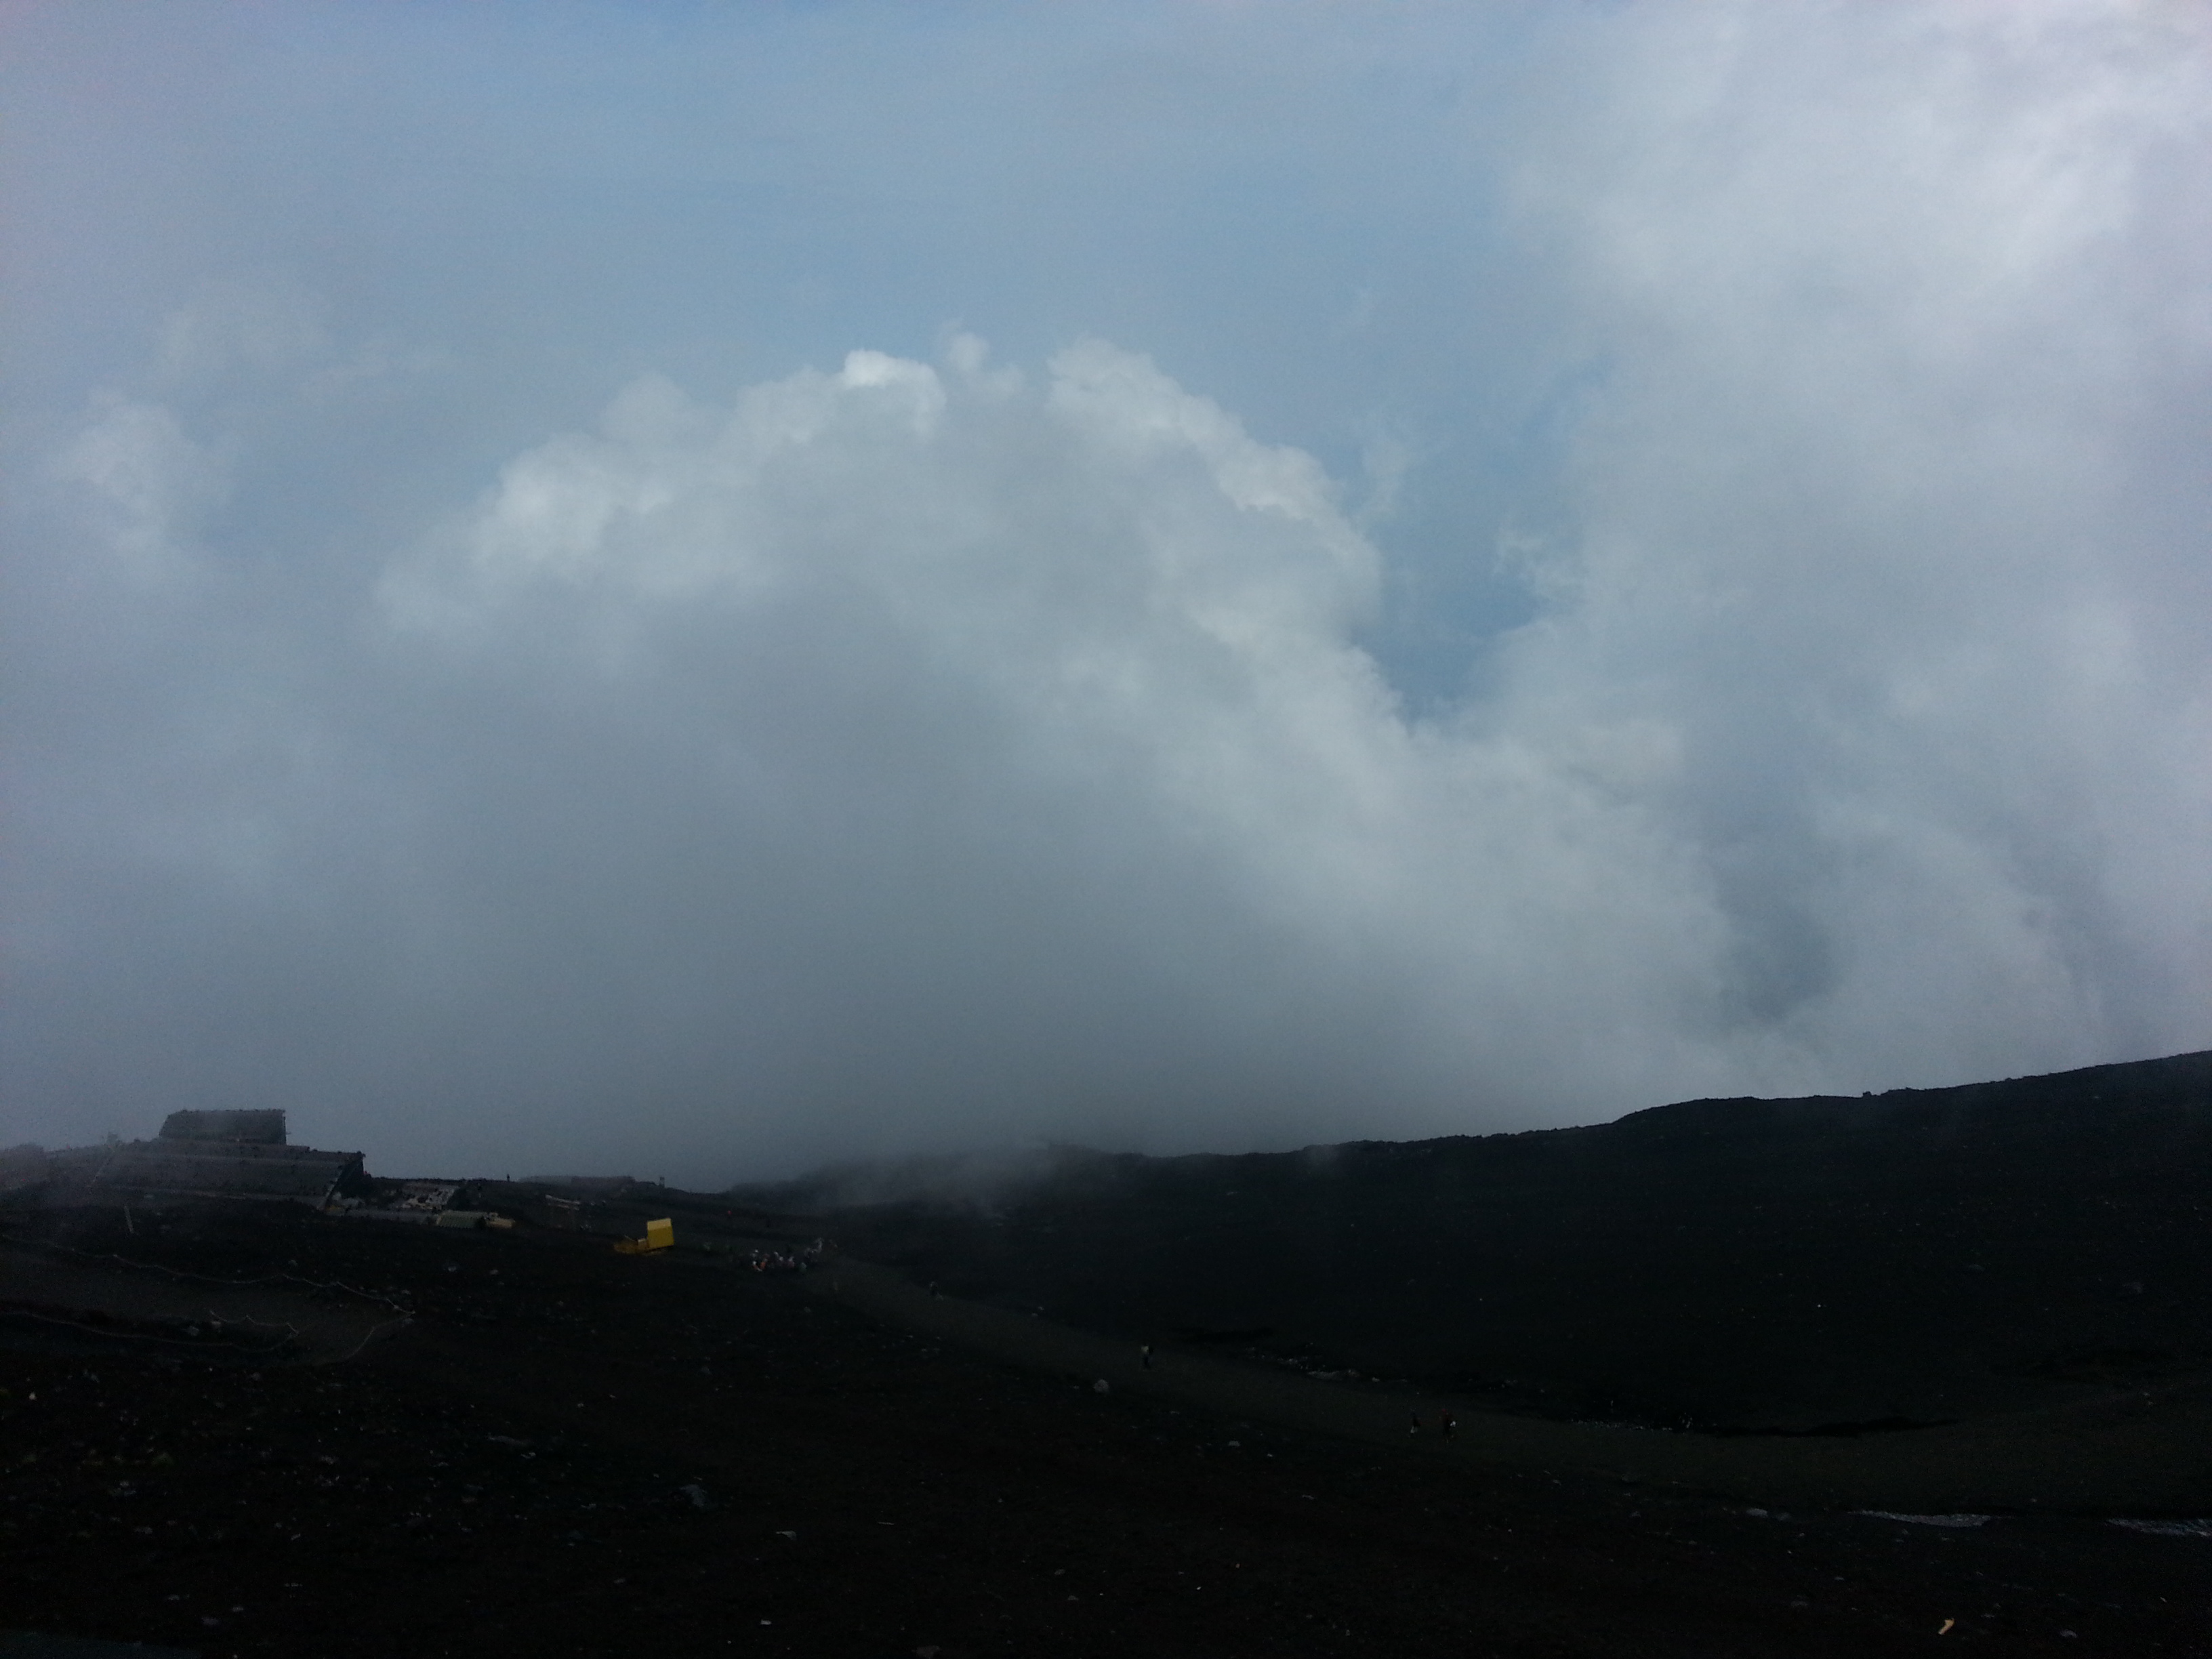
[
  {"x": 1144, "y": 1354},
  {"x": 1416, "y": 1427}
]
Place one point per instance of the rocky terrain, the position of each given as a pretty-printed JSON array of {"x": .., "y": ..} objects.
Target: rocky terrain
[{"x": 242, "y": 1429}]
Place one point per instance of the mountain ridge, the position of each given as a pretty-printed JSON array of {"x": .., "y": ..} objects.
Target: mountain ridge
[{"x": 1760, "y": 1264}]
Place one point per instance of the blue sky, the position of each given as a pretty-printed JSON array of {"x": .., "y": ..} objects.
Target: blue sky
[
  {"x": 1295, "y": 213},
  {"x": 1382, "y": 569}
]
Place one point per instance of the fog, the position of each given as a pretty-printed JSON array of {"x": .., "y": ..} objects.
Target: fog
[{"x": 691, "y": 594}]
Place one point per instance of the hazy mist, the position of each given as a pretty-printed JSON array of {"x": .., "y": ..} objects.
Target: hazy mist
[{"x": 691, "y": 592}]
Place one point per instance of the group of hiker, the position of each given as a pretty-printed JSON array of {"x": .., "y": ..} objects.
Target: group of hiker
[{"x": 787, "y": 1262}]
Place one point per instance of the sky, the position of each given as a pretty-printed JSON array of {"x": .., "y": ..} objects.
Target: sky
[{"x": 691, "y": 589}]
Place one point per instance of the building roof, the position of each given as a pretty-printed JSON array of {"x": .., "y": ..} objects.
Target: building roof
[{"x": 223, "y": 1170}]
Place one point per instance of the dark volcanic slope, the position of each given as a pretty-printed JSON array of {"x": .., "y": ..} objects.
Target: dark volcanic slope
[
  {"x": 1924, "y": 1255},
  {"x": 568, "y": 1452}
]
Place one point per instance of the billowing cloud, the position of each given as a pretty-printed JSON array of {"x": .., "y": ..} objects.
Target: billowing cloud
[
  {"x": 938, "y": 753},
  {"x": 146, "y": 481},
  {"x": 1886, "y": 508},
  {"x": 998, "y": 754}
]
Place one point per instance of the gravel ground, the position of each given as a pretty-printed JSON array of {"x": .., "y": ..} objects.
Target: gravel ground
[{"x": 567, "y": 1451}]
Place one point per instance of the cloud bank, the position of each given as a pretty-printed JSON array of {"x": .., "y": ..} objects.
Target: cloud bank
[{"x": 928, "y": 754}]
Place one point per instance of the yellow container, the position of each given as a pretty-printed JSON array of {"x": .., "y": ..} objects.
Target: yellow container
[{"x": 659, "y": 1236}]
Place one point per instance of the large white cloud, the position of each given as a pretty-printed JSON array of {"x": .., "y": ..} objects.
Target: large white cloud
[
  {"x": 1888, "y": 508},
  {"x": 994, "y": 757},
  {"x": 935, "y": 753}
]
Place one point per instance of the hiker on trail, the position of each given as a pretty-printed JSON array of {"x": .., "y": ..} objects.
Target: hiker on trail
[{"x": 1447, "y": 1424}]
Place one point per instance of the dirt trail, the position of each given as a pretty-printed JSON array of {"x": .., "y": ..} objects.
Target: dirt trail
[
  {"x": 2148, "y": 1453},
  {"x": 269, "y": 1317}
]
